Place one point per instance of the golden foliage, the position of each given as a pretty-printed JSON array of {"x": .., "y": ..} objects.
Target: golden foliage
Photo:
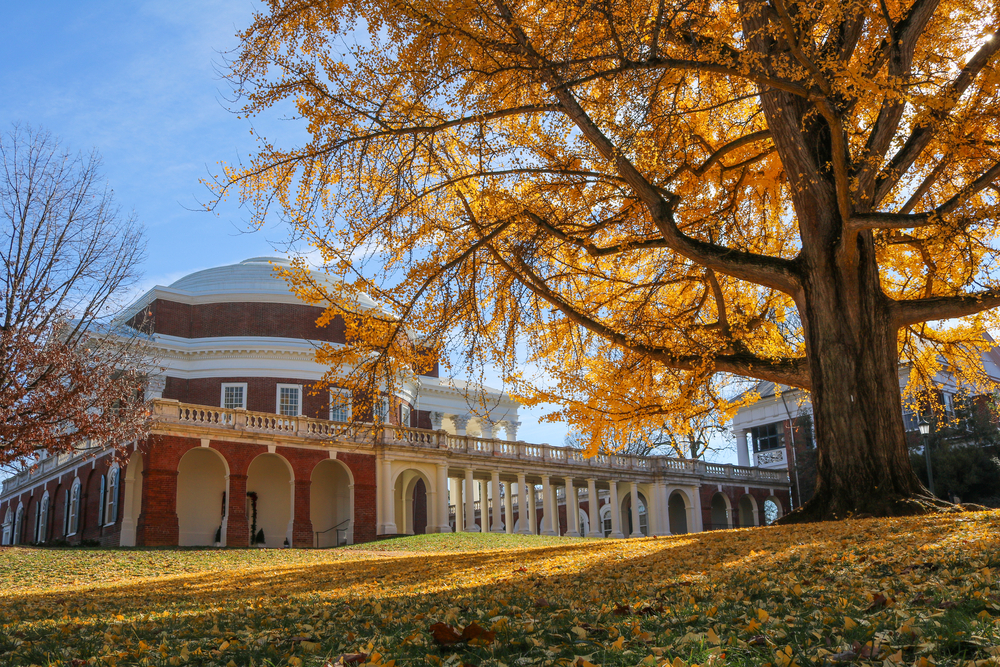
[{"x": 635, "y": 196}]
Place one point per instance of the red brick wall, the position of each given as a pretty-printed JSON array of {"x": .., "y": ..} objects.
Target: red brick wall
[{"x": 276, "y": 320}]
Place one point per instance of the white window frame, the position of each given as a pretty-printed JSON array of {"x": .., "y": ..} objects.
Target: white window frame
[
  {"x": 42, "y": 524},
  {"x": 73, "y": 524},
  {"x": 607, "y": 525},
  {"x": 380, "y": 410},
  {"x": 277, "y": 399},
  {"x": 349, "y": 394},
  {"x": 111, "y": 500},
  {"x": 404, "y": 415},
  {"x": 222, "y": 396},
  {"x": 100, "y": 500},
  {"x": 18, "y": 520},
  {"x": 8, "y": 521}
]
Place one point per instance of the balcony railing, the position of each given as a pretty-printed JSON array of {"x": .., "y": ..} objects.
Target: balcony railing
[{"x": 169, "y": 412}]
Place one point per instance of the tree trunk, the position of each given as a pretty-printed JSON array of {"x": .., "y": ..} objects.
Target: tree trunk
[{"x": 863, "y": 466}]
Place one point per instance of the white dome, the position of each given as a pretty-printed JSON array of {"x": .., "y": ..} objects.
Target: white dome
[{"x": 255, "y": 276}]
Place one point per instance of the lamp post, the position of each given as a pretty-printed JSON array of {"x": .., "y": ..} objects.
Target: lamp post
[{"x": 925, "y": 429}]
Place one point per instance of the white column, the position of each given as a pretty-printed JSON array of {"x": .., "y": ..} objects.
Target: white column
[
  {"x": 485, "y": 429},
  {"x": 484, "y": 506},
  {"x": 742, "y": 452},
  {"x": 388, "y": 500},
  {"x": 547, "y": 525},
  {"x": 660, "y": 507},
  {"x": 522, "y": 511},
  {"x": 695, "y": 524},
  {"x": 532, "y": 512},
  {"x": 497, "y": 526},
  {"x": 510, "y": 430},
  {"x": 470, "y": 502},
  {"x": 456, "y": 500},
  {"x": 461, "y": 422},
  {"x": 616, "y": 512},
  {"x": 572, "y": 509},
  {"x": 444, "y": 526},
  {"x": 636, "y": 528},
  {"x": 437, "y": 420},
  {"x": 508, "y": 508},
  {"x": 594, "y": 510}
]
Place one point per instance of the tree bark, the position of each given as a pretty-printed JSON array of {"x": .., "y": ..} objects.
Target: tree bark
[{"x": 863, "y": 465}]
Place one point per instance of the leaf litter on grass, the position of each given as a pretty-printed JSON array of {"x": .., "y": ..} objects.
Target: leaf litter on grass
[{"x": 876, "y": 591}]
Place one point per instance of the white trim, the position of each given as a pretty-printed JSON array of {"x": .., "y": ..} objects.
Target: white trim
[
  {"x": 222, "y": 396},
  {"x": 112, "y": 495},
  {"x": 277, "y": 399},
  {"x": 73, "y": 516}
]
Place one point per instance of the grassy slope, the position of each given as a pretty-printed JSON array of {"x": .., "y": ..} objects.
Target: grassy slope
[{"x": 912, "y": 591}]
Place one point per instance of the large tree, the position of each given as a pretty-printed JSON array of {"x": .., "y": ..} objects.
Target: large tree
[
  {"x": 69, "y": 377},
  {"x": 647, "y": 195}
]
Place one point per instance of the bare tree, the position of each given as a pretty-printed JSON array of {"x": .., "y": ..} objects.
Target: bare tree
[{"x": 69, "y": 376}]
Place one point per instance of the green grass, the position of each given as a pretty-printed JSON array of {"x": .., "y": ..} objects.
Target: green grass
[
  {"x": 919, "y": 591},
  {"x": 454, "y": 542}
]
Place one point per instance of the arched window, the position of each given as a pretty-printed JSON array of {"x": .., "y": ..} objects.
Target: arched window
[
  {"x": 8, "y": 519},
  {"x": 74, "y": 509},
  {"x": 606, "y": 519},
  {"x": 42, "y": 526},
  {"x": 17, "y": 524},
  {"x": 100, "y": 501},
  {"x": 111, "y": 504}
]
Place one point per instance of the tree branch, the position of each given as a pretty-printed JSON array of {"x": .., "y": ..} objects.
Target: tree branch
[
  {"x": 914, "y": 220},
  {"x": 914, "y": 311},
  {"x": 924, "y": 132}
]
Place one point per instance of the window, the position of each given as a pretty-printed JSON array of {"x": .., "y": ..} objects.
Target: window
[
  {"x": 234, "y": 395},
  {"x": 111, "y": 503},
  {"x": 18, "y": 518},
  {"x": 289, "y": 400},
  {"x": 404, "y": 415},
  {"x": 8, "y": 519},
  {"x": 910, "y": 421},
  {"x": 74, "y": 509},
  {"x": 42, "y": 527},
  {"x": 606, "y": 520},
  {"x": 769, "y": 436},
  {"x": 340, "y": 405},
  {"x": 381, "y": 410},
  {"x": 100, "y": 501}
]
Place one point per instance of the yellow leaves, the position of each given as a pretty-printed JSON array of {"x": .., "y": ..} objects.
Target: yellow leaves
[
  {"x": 784, "y": 658},
  {"x": 619, "y": 644},
  {"x": 849, "y": 624},
  {"x": 711, "y": 636}
]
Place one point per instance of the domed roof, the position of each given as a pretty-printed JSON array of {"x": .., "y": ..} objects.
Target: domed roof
[{"x": 255, "y": 277}]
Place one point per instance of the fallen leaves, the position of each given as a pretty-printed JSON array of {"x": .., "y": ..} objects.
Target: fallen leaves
[
  {"x": 473, "y": 633},
  {"x": 730, "y": 598}
]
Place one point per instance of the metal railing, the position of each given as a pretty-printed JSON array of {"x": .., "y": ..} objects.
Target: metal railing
[{"x": 337, "y": 536}]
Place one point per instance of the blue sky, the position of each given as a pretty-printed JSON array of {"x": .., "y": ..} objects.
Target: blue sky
[{"x": 140, "y": 82}]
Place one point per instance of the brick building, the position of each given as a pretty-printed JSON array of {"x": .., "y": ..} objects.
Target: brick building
[{"x": 243, "y": 452}]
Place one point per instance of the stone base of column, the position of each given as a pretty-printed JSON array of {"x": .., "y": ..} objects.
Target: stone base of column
[
  {"x": 595, "y": 533},
  {"x": 573, "y": 533},
  {"x": 635, "y": 534},
  {"x": 302, "y": 534},
  {"x": 617, "y": 536}
]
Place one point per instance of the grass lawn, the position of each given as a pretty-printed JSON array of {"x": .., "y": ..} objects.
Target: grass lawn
[{"x": 885, "y": 592}]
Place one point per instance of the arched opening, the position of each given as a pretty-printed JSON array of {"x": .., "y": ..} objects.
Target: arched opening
[
  {"x": 626, "y": 515},
  {"x": 42, "y": 527},
  {"x": 721, "y": 516},
  {"x": 606, "y": 524},
  {"x": 772, "y": 510},
  {"x": 748, "y": 511},
  {"x": 270, "y": 477},
  {"x": 331, "y": 503},
  {"x": 410, "y": 496},
  {"x": 201, "y": 492},
  {"x": 677, "y": 510},
  {"x": 584, "y": 523},
  {"x": 132, "y": 499},
  {"x": 111, "y": 496}
]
